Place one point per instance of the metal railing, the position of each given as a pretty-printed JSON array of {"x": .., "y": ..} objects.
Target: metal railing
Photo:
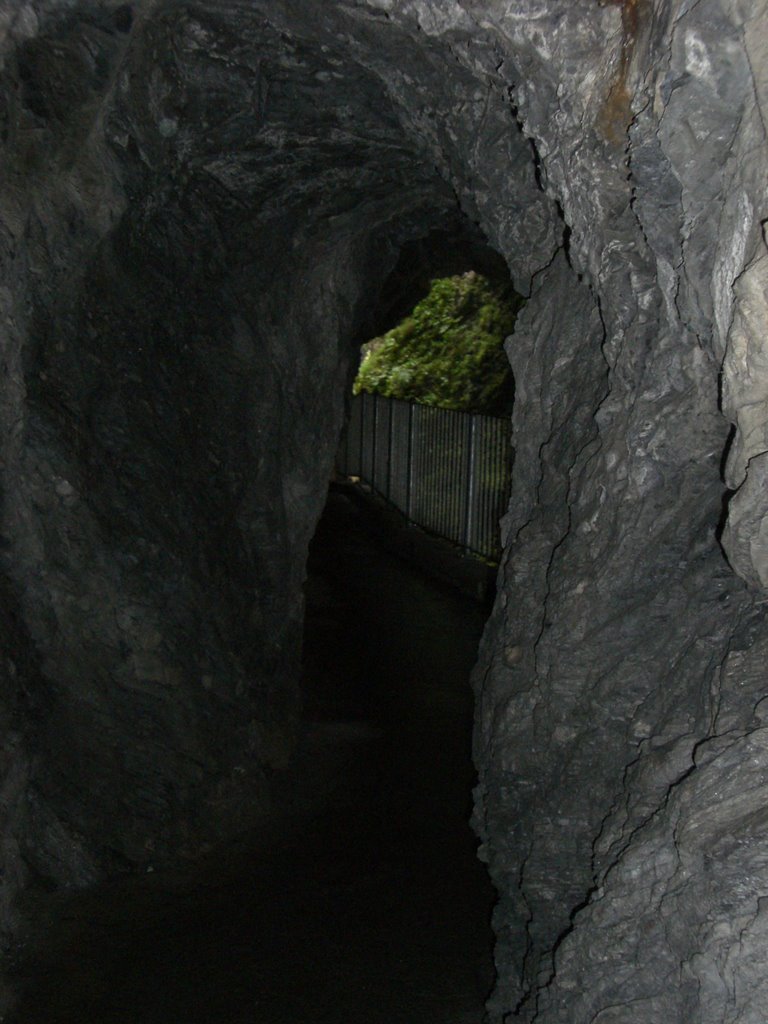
[{"x": 446, "y": 471}]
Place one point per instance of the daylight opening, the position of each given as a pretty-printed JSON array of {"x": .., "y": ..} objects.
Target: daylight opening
[{"x": 429, "y": 427}]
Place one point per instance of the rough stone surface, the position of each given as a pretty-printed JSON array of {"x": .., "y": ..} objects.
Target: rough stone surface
[{"x": 200, "y": 204}]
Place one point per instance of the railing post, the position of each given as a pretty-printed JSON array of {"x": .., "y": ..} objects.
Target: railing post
[
  {"x": 390, "y": 404},
  {"x": 374, "y": 440},
  {"x": 471, "y": 482},
  {"x": 350, "y": 438},
  {"x": 363, "y": 438},
  {"x": 409, "y": 465}
]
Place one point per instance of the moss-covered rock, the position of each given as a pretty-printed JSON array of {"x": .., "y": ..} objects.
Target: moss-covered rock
[{"x": 449, "y": 351}]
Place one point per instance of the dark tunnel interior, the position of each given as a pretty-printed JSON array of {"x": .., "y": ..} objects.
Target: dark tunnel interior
[
  {"x": 205, "y": 208},
  {"x": 356, "y": 894},
  {"x": 362, "y": 898}
]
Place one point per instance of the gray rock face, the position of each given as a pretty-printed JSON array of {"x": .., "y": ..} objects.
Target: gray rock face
[{"x": 200, "y": 204}]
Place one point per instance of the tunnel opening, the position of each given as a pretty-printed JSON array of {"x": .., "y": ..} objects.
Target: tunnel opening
[
  {"x": 429, "y": 426},
  {"x": 389, "y": 648}
]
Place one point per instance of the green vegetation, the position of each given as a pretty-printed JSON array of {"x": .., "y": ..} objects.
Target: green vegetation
[{"x": 449, "y": 351}]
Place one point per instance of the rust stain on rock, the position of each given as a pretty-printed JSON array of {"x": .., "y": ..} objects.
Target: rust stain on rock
[{"x": 616, "y": 113}]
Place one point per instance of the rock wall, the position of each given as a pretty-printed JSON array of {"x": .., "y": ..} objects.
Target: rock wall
[
  {"x": 615, "y": 728},
  {"x": 200, "y": 204}
]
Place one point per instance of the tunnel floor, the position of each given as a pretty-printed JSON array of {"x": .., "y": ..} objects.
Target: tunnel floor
[{"x": 366, "y": 904}]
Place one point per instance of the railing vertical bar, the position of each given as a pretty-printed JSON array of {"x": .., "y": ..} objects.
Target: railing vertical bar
[
  {"x": 411, "y": 495},
  {"x": 391, "y": 405},
  {"x": 448, "y": 458},
  {"x": 387, "y": 450},
  {"x": 492, "y": 467},
  {"x": 425, "y": 461},
  {"x": 458, "y": 502},
  {"x": 434, "y": 450},
  {"x": 364, "y": 411},
  {"x": 503, "y": 484},
  {"x": 440, "y": 492},
  {"x": 493, "y": 452},
  {"x": 394, "y": 422},
  {"x": 434, "y": 472},
  {"x": 493, "y": 517},
  {"x": 471, "y": 484},
  {"x": 375, "y": 456},
  {"x": 436, "y": 425},
  {"x": 482, "y": 489},
  {"x": 416, "y": 480},
  {"x": 445, "y": 474},
  {"x": 423, "y": 481},
  {"x": 376, "y": 442},
  {"x": 431, "y": 449},
  {"x": 440, "y": 505},
  {"x": 468, "y": 452},
  {"x": 440, "y": 510},
  {"x": 357, "y": 403},
  {"x": 482, "y": 493},
  {"x": 462, "y": 477},
  {"x": 363, "y": 403},
  {"x": 454, "y": 481},
  {"x": 439, "y": 449},
  {"x": 455, "y": 464},
  {"x": 371, "y": 427},
  {"x": 491, "y": 513},
  {"x": 347, "y": 458}
]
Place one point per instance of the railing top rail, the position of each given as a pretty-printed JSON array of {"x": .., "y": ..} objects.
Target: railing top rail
[{"x": 429, "y": 405}]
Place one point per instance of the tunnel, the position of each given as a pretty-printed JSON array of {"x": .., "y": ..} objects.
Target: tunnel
[{"x": 205, "y": 208}]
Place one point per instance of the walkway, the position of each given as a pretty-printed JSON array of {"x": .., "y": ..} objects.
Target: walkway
[{"x": 375, "y": 911}]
